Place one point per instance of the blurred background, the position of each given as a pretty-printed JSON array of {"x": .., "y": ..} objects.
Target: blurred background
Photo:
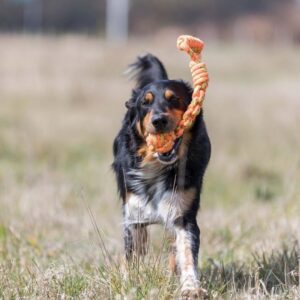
[
  {"x": 62, "y": 95},
  {"x": 256, "y": 20}
]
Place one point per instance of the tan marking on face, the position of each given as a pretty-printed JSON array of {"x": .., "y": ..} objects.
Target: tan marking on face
[
  {"x": 175, "y": 115},
  {"x": 139, "y": 129},
  {"x": 147, "y": 123},
  {"x": 169, "y": 94},
  {"x": 146, "y": 155},
  {"x": 148, "y": 158},
  {"x": 148, "y": 97},
  {"x": 143, "y": 150}
]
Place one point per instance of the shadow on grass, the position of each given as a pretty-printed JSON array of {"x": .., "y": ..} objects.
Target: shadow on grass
[{"x": 266, "y": 274}]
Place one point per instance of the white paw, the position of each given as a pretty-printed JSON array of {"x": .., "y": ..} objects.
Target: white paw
[{"x": 191, "y": 290}]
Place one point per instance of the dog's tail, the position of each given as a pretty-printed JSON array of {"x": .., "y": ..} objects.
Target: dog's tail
[{"x": 147, "y": 69}]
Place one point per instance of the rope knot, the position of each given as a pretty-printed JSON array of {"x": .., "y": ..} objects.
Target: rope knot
[{"x": 191, "y": 45}]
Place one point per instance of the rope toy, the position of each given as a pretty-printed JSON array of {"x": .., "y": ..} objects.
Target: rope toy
[{"x": 164, "y": 142}]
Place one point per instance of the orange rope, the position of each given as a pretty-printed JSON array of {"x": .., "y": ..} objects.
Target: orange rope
[{"x": 164, "y": 142}]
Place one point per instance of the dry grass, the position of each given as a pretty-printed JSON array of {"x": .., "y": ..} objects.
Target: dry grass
[{"x": 62, "y": 100}]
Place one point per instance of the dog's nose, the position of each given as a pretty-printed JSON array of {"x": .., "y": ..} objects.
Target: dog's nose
[{"x": 159, "y": 121}]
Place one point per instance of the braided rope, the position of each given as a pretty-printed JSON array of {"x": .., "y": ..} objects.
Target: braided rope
[{"x": 164, "y": 142}]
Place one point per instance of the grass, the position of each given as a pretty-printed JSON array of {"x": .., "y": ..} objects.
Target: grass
[{"x": 62, "y": 100}]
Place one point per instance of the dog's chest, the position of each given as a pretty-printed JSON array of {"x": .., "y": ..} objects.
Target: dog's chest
[
  {"x": 147, "y": 203},
  {"x": 154, "y": 201},
  {"x": 140, "y": 210}
]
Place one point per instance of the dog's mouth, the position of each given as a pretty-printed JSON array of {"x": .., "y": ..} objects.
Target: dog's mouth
[{"x": 170, "y": 157}]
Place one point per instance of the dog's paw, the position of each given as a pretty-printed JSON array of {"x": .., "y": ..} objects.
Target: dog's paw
[{"x": 193, "y": 292}]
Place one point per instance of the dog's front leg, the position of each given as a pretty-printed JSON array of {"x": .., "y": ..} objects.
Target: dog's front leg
[{"x": 187, "y": 246}]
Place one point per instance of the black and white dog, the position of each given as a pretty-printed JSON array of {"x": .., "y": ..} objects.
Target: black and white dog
[{"x": 161, "y": 188}]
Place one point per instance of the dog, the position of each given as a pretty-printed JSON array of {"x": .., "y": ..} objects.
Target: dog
[{"x": 161, "y": 188}]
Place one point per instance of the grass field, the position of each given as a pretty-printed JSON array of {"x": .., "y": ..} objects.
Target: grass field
[{"x": 62, "y": 100}]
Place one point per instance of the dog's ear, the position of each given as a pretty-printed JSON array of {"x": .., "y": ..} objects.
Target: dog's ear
[
  {"x": 131, "y": 114},
  {"x": 130, "y": 104},
  {"x": 147, "y": 69}
]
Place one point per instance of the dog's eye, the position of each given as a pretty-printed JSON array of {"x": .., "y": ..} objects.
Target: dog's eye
[
  {"x": 173, "y": 98},
  {"x": 145, "y": 102}
]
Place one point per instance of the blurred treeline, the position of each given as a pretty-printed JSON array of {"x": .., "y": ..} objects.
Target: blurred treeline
[{"x": 255, "y": 19}]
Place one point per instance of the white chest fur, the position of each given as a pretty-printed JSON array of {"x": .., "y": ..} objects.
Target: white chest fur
[{"x": 163, "y": 208}]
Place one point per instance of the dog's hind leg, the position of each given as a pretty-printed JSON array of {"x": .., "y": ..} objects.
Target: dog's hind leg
[
  {"x": 128, "y": 242},
  {"x": 140, "y": 239},
  {"x": 135, "y": 240}
]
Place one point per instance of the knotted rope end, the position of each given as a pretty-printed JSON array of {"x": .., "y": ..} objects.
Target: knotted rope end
[
  {"x": 163, "y": 143},
  {"x": 190, "y": 44}
]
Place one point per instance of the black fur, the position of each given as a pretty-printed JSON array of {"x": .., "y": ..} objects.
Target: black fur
[
  {"x": 147, "y": 69},
  {"x": 150, "y": 75}
]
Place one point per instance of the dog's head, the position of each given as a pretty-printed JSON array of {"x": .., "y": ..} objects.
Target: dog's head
[{"x": 157, "y": 103}]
